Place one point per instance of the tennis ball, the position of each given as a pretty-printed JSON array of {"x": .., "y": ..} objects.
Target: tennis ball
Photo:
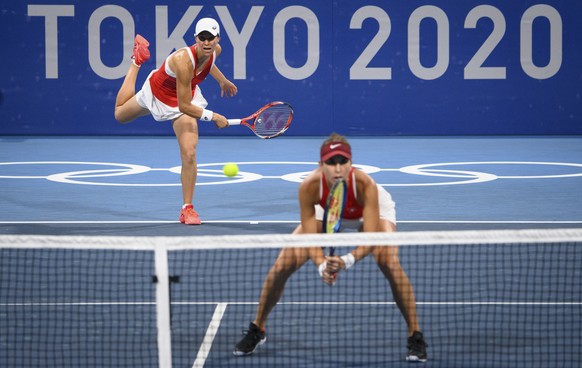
[{"x": 230, "y": 169}]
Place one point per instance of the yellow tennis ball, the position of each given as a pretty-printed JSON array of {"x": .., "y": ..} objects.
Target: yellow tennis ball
[{"x": 230, "y": 169}]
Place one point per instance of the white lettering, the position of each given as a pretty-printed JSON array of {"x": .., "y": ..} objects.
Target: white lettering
[
  {"x": 168, "y": 39},
  {"x": 166, "y": 44},
  {"x": 526, "y": 42},
  {"x": 239, "y": 40},
  {"x": 51, "y": 13},
  {"x": 360, "y": 69},
  {"x": 279, "y": 59},
  {"x": 94, "y": 29},
  {"x": 442, "y": 23},
  {"x": 475, "y": 68}
]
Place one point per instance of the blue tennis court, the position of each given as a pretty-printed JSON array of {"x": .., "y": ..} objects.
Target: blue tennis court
[{"x": 130, "y": 187}]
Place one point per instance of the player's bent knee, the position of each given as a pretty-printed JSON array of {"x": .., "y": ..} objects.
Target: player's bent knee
[
  {"x": 289, "y": 261},
  {"x": 122, "y": 118},
  {"x": 119, "y": 118},
  {"x": 387, "y": 256},
  {"x": 282, "y": 270}
]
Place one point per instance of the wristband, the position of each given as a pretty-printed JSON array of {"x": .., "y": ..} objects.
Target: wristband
[
  {"x": 349, "y": 260},
  {"x": 206, "y": 115},
  {"x": 322, "y": 268}
]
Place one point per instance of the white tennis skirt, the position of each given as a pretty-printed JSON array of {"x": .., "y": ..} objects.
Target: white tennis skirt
[{"x": 159, "y": 110}]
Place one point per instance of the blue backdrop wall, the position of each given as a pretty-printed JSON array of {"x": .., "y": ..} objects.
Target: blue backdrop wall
[{"x": 373, "y": 67}]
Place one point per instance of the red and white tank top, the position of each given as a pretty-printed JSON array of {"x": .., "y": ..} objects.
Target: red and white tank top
[
  {"x": 353, "y": 210},
  {"x": 163, "y": 80}
]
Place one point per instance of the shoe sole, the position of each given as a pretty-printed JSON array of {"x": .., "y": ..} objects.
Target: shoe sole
[
  {"x": 141, "y": 53},
  {"x": 182, "y": 219},
  {"x": 242, "y": 353},
  {"x": 141, "y": 41},
  {"x": 415, "y": 359},
  {"x": 195, "y": 221},
  {"x": 190, "y": 223}
]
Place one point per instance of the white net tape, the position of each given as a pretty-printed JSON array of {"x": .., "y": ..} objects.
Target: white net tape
[{"x": 465, "y": 237}]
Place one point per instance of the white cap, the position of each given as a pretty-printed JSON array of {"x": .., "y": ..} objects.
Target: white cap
[{"x": 208, "y": 25}]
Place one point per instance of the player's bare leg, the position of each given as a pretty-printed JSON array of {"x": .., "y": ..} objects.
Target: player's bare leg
[
  {"x": 389, "y": 264},
  {"x": 126, "y": 108},
  {"x": 186, "y": 130},
  {"x": 127, "y": 89},
  {"x": 288, "y": 261}
]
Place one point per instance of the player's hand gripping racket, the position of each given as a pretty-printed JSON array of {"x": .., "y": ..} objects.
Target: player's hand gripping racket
[
  {"x": 334, "y": 209},
  {"x": 269, "y": 121}
]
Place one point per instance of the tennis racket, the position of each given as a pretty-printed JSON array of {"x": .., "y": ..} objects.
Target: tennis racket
[
  {"x": 334, "y": 209},
  {"x": 269, "y": 121}
]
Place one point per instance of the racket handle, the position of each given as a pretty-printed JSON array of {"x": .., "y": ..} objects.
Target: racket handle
[{"x": 234, "y": 121}]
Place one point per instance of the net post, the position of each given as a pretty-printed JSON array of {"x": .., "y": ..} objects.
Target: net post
[{"x": 163, "y": 318}]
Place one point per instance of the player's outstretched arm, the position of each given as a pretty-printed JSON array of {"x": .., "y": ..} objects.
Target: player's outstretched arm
[{"x": 227, "y": 88}]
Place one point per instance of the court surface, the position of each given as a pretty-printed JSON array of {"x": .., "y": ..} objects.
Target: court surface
[{"x": 131, "y": 186}]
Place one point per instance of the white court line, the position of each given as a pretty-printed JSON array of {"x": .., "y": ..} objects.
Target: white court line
[
  {"x": 222, "y": 305},
  {"x": 209, "y": 337},
  {"x": 148, "y": 222},
  {"x": 385, "y": 303},
  {"x": 490, "y": 222},
  {"x": 73, "y": 304},
  {"x": 254, "y": 222}
]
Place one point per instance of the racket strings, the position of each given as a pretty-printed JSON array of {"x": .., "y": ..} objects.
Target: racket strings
[{"x": 273, "y": 120}]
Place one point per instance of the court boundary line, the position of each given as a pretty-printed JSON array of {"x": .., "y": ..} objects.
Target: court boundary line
[
  {"x": 81, "y": 304},
  {"x": 256, "y": 222},
  {"x": 211, "y": 332}
]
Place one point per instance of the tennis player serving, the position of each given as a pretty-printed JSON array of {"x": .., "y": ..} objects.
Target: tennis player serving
[
  {"x": 171, "y": 93},
  {"x": 368, "y": 208}
]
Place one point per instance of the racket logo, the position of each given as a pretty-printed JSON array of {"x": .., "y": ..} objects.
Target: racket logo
[
  {"x": 334, "y": 215},
  {"x": 334, "y": 207},
  {"x": 272, "y": 122}
]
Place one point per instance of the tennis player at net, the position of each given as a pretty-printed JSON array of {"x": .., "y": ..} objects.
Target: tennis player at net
[{"x": 369, "y": 208}]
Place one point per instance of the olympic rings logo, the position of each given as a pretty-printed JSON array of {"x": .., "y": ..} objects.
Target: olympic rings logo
[{"x": 108, "y": 174}]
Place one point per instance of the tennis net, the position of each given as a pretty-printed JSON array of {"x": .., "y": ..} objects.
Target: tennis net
[{"x": 490, "y": 298}]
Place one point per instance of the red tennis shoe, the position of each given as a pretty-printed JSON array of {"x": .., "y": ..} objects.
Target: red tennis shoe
[
  {"x": 140, "y": 50},
  {"x": 189, "y": 217}
]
